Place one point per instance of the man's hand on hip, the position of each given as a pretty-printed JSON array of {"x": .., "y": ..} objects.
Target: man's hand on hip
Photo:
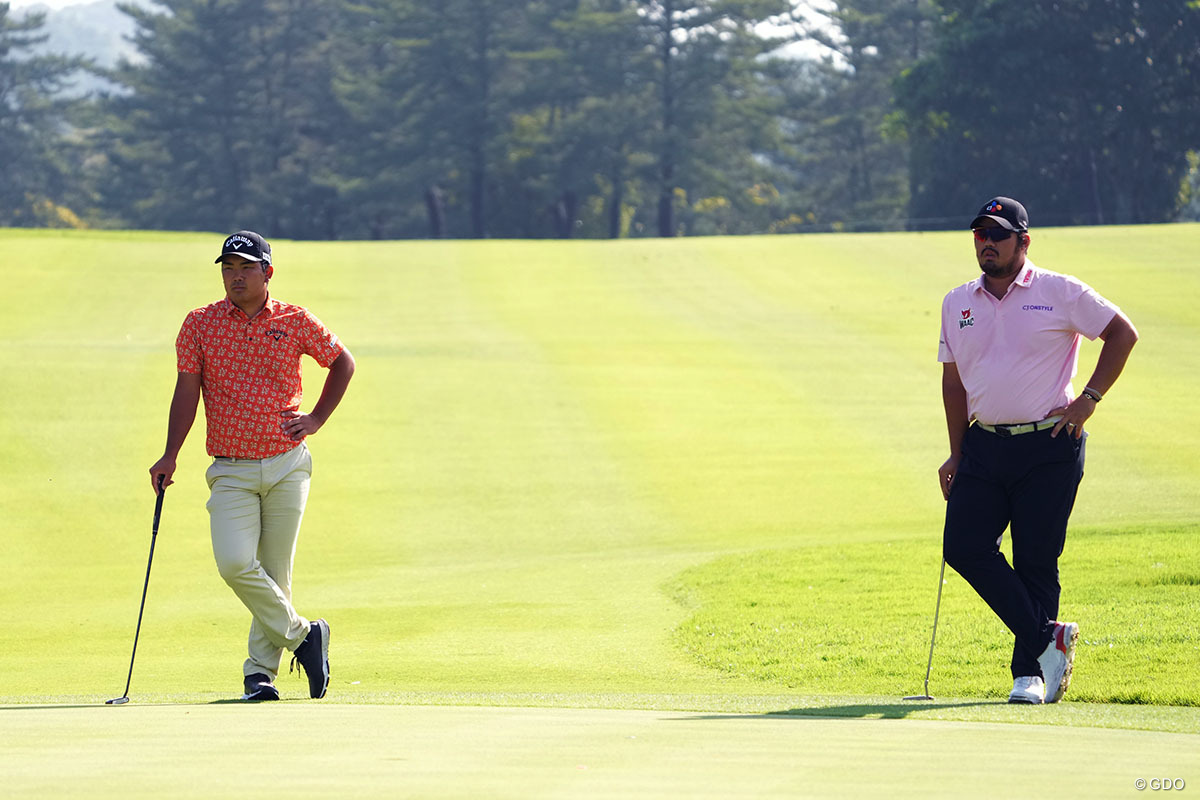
[
  {"x": 297, "y": 426},
  {"x": 1073, "y": 416}
]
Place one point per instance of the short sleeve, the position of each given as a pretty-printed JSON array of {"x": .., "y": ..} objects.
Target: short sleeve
[
  {"x": 319, "y": 342},
  {"x": 1090, "y": 313},
  {"x": 945, "y": 354},
  {"x": 188, "y": 355}
]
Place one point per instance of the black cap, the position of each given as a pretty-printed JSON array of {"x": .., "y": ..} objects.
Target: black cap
[
  {"x": 1008, "y": 213},
  {"x": 247, "y": 244}
]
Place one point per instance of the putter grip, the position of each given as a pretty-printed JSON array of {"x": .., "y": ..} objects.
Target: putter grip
[{"x": 158, "y": 504}]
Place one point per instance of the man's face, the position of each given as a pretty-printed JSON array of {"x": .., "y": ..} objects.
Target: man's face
[
  {"x": 998, "y": 259},
  {"x": 245, "y": 280}
]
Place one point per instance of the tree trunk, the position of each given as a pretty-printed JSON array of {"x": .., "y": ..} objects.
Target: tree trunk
[
  {"x": 666, "y": 197},
  {"x": 482, "y": 132},
  {"x": 565, "y": 211},
  {"x": 436, "y": 207},
  {"x": 666, "y": 210},
  {"x": 614, "y": 206},
  {"x": 1097, "y": 206},
  {"x": 478, "y": 181}
]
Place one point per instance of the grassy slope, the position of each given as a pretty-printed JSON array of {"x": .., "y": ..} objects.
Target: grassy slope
[
  {"x": 540, "y": 440},
  {"x": 841, "y": 618}
]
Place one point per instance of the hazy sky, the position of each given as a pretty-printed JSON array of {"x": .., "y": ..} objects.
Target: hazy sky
[
  {"x": 16, "y": 4},
  {"x": 804, "y": 48}
]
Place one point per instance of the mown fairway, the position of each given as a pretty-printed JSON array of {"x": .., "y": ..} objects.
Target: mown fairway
[{"x": 686, "y": 475}]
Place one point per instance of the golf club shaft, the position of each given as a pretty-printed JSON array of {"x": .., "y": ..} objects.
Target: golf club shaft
[
  {"x": 145, "y": 586},
  {"x": 936, "y": 610}
]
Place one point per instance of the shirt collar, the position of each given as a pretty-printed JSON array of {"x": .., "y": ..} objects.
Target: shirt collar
[
  {"x": 1027, "y": 275},
  {"x": 1024, "y": 279},
  {"x": 231, "y": 310}
]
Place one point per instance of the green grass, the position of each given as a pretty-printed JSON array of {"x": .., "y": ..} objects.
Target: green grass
[
  {"x": 780, "y": 617},
  {"x": 414, "y": 751},
  {"x": 561, "y": 466}
]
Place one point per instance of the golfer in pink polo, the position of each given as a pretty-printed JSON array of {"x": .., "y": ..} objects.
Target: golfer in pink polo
[{"x": 1009, "y": 350}]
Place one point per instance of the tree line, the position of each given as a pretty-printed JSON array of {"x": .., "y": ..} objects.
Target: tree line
[{"x": 339, "y": 119}]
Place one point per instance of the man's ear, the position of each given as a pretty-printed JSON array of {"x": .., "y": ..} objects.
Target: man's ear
[{"x": 269, "y": 271}]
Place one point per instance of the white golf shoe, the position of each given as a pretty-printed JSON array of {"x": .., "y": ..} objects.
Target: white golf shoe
[
  {"x": 1058, "y": 660},
  {"x": 1028, "y": 689}
]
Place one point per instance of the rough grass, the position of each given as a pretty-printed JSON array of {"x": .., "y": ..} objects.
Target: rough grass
[{"x": 841, "y": 619}]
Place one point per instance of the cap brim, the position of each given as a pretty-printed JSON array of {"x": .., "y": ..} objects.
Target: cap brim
[
  {"x": 1000, "y": 220},
  {"x": 234, "y": 253}
]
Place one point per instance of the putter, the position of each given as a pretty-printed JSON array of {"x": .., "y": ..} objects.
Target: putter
[
  {"x": 933, "y": 638},
  {"x": 123, "y": 699}
]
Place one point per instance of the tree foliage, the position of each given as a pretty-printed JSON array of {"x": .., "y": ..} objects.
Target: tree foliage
[
  {"x": 229, "y": 120},
  {"x": 34, "y": 155},
  {"x": 1085, "y": 109},
  {"x": 537, "y": 118},
  {"x": 848, "y": 166},
  {"x": 704, "y": 62}
]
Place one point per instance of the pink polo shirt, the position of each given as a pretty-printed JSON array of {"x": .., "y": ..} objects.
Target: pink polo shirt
[{"x": 1017, "y": 355}]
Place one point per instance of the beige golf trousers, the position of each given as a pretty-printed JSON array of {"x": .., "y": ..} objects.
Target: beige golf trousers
[{"x": 254, "y": 511}]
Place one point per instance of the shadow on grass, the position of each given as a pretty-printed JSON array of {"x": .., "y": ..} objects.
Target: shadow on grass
[
  {"x": 231, "y": 701},
  {"x": 860, "y": 711},
  {"x": 50, "y": 708},
  {"x": 880, "y": 710}
]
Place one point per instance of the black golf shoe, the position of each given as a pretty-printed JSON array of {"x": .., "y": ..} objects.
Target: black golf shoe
[
  {"x": 259, "y": 687},
  {"x": 313, "y": 655}
]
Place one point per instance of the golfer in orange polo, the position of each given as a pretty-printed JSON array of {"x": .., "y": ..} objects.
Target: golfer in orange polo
[{"x": 243, "y": 353}]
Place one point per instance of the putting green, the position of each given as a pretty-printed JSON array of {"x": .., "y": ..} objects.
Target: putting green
[{"x": 321, "y": 750}]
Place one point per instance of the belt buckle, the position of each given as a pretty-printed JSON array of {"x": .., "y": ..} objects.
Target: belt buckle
[{"x": 1003, "y": 431}]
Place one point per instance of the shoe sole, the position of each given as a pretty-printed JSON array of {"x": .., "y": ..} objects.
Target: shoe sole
[
  {"x": 323, "y": 626},
  {"x": 262, "y": 695},
  {"x": 1065, "y": 638},
  {"x": 1012, "y": 701}
]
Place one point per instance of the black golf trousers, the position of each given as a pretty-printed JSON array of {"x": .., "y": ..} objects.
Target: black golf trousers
[{"x": 1027, "y": 483}]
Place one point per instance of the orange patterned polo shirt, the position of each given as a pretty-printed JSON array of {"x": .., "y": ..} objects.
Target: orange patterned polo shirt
[{"x": 250, "y": 371}]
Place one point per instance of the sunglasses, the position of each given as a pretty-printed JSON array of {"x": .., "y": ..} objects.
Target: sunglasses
[{"x": 992, "y": 234}]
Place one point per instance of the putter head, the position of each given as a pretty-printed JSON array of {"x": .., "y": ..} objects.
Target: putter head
[
  {"x": 919, "y": 697},
  {"x": 117, "y": 701}
]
